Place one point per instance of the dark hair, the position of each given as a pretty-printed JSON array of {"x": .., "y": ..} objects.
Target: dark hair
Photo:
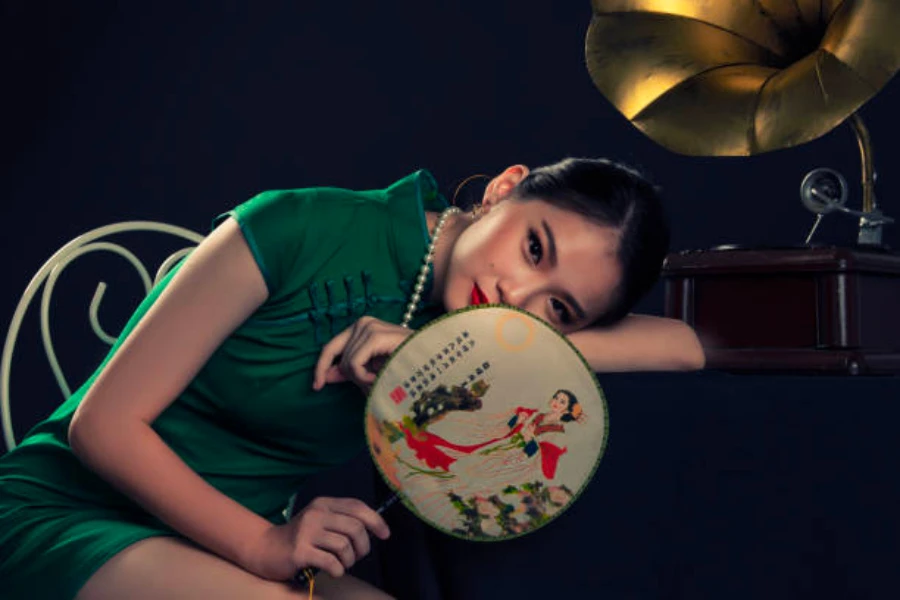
[
  {"x": 570, "y": 406},
  {"x": 618, "y": 196}
]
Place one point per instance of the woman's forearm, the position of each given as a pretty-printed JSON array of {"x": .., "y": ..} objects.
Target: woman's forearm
[
  {"x": 641, "y": 343},
  {"x": 133, "y": 458}
]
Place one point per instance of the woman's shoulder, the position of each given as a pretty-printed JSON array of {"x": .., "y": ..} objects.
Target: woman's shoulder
[
  {"x": 417, "y": 188},
  {"x": 289, "y": 227}
]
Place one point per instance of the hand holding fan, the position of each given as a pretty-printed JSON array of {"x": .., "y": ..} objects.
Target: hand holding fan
[{"x": 486, "y": 423}]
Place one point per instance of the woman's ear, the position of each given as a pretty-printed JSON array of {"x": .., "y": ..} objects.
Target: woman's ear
[{"x": 501, "y": 185}]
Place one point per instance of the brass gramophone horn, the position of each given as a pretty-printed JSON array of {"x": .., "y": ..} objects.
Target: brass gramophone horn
[{"x": 741, "y": 77}]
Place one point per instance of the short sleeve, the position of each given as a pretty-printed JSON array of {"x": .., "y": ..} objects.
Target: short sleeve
[
  {"x": 274, "y": 225},
  {"x": 299, "y": 236}
]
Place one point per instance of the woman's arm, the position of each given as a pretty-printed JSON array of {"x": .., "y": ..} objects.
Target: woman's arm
[
  {"x": 641, "y": 343},
  {"x": 636, "y": 343},
  {"x": 215, "y": 291},
  {"x": 217, "y": 288}
]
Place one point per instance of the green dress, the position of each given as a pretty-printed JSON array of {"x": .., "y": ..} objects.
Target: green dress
[{"x": 249, "y": 423}]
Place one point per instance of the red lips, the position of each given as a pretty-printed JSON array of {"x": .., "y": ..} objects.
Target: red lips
[{"x": 478, "y": 296}]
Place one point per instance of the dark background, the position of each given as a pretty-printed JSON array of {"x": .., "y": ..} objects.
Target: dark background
[
  {"x": 176, "y": 111},
  {"x": 724, "y": 486}
]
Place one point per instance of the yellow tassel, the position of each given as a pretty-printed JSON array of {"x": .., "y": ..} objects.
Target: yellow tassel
[{"x": 311, "y": 577}]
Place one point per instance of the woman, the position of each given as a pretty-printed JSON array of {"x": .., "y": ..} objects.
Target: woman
[
  {"x": 166, "y": 474},
  {"x": 513, "y": 432},
  {"x": 528, "y": 425}
]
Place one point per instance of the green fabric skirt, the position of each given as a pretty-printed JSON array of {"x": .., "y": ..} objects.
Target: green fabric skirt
[{"x": 50, "y": 548}]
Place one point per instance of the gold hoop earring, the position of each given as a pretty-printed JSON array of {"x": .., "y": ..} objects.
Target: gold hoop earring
[
  {"x": 477, "y": 211},
  {"x": 464, "y": 182}
]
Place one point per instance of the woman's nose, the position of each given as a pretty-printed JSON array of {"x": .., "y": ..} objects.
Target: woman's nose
[{"x": 513, "y": 292}]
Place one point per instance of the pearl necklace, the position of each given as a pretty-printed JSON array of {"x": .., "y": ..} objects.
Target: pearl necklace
[{"x": 426, "y": 265}]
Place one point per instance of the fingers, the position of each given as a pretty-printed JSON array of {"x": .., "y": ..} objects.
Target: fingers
[
  {"x": 334, "y": 375},
  {"x": 361, "y": 349},
  {"x": 360, "y": 511},
  {"x": 333, "y": 533},
  {"x": 350, "y": 535},
  {"x": 368, "y": 350},
  {"x": 341, "y": 547},
  {"x": 330, "y": 351},
  {"x": 321, "y": 559}
]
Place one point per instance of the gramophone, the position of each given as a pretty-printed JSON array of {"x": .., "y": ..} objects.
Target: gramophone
[{"x": 743, "y": 77}]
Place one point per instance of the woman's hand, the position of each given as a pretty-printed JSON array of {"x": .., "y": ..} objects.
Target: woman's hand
[
  {"x": 361, "y": 350},
  {"x": 330, "y": 533}
]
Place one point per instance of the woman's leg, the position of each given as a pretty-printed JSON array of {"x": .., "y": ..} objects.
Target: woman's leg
[{"x": 169, "y": 568}]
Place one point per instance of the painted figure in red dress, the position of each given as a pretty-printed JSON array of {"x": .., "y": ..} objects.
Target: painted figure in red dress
[{"x": 524, "y": 429}]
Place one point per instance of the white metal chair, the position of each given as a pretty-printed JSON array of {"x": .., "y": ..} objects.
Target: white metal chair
[{"x": 48, "y": 274}]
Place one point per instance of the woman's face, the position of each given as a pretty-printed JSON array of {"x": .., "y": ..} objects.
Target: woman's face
[
  {"x": 532, "y": 255},
  {"x": 559, "y": 404}
]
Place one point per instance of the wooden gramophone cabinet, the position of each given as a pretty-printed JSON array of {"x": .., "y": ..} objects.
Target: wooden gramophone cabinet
[{"x": 826, "y": 309}]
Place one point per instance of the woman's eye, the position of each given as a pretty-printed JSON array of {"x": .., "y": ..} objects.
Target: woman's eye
[
  {"x": 535, "y": 250},
  {"x": 562, "y": 313}
]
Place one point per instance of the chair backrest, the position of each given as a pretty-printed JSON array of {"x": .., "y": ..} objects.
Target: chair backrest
[{"x": 48, "y": 274}]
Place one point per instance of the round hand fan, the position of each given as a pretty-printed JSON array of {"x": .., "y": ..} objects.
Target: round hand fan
[{"x": 487, "y": 423}]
